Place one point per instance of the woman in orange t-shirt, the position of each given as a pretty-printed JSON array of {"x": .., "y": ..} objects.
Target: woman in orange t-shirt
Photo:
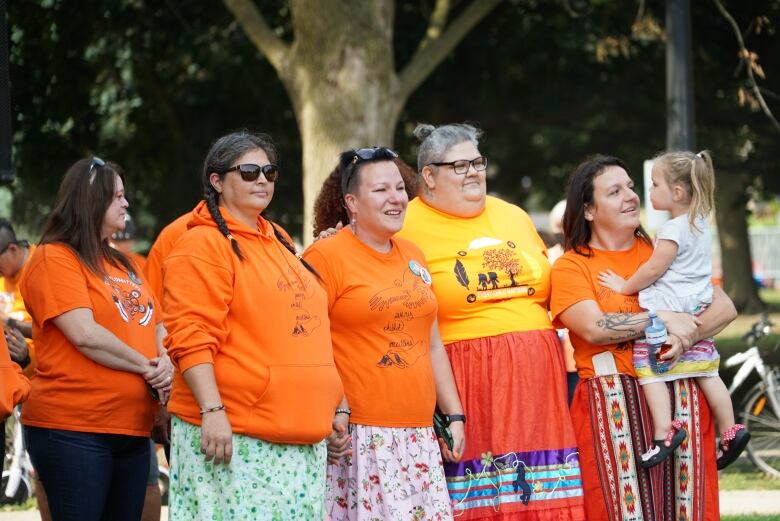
[
  {"x": 255, "y": 386},
  {"x": 100, "y": 355},
  {"x": 602, "y": 231},
  {"x": 387, "y": 349}
]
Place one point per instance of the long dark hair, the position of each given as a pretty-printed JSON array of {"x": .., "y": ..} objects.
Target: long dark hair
[
  {"x": 221, "y": 156},
  {"x": 83, "y": 198},
  {"x": 576, "y": 229}
]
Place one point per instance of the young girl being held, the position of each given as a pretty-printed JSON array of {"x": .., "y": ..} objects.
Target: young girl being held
[{"x": 677, "y": 278}]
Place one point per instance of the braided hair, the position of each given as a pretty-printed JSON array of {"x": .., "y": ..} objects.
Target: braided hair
[{"x": 221, "y": 156}]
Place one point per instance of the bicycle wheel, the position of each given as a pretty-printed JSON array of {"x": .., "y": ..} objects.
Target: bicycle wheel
[{"x": 764, "y": 426}]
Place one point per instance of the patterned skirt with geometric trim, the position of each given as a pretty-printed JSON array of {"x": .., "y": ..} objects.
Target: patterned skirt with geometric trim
[
  {"x": 613, "y": 427},
  {"x": 521, "y": 460}
]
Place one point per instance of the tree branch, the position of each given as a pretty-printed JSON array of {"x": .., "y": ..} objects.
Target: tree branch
[
  {"x": 259, "y": 33},
  {"x": 433, "y": 49},
  {"x": 745, "y": 55},
  {"x": 436, "y": 24}
]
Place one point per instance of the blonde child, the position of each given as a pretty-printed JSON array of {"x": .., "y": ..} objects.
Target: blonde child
[{"x": 677, "y": 278}]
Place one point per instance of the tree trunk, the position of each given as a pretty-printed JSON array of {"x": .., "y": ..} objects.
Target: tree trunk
[
  {"x": 340, "y": 73},
  {"x": 342, "y": 84},
  {"x": 731, "y": 215}
]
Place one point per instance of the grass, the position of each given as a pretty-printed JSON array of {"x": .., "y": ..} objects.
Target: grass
[
  {"x": 756, "y": 517},
  {"x": 742, "y": 475}
]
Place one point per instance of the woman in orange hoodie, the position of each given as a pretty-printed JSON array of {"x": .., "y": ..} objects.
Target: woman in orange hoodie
[
  {"x": 255, "y": 387},
  {"x": 387, "y": 348},
  {"x": 14, "y": 387}
]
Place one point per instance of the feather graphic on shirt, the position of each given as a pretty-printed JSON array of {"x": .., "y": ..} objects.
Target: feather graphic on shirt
[{"x": 460, "y": 274}]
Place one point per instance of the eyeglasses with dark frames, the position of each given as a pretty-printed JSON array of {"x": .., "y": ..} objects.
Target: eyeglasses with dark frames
[
  {"x": 462, "y": 166},
  {"x": 95, "y": 163},
  {"x": 5, "y": 248},
  {"x": 251, "y": 171}
]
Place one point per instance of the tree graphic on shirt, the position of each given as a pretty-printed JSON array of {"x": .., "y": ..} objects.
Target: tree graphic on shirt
[{"x": 502, "y": 259}]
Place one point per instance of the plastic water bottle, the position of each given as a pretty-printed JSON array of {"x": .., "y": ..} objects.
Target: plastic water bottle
[{"x": 656, "y": 337}]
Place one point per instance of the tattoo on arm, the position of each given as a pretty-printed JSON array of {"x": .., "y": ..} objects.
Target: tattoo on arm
[{"x": 622, "y": 326}]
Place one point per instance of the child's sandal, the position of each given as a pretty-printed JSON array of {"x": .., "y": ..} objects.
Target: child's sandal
[
  {"x": 662, "y": 449},
  {"x": 732, "y": 442}
]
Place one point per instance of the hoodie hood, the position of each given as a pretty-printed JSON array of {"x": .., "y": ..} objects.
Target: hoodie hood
[{"x": 201, "y": 217}]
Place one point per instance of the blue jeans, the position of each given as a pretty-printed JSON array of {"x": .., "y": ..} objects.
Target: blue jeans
[{"x": 90, "y": 476}]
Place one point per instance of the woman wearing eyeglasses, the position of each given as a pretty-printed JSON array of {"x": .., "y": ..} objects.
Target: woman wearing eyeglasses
[
  {"x": 491, "y": 278},
  {"x": 255, "y": 385},
  {"x": 385, "y": 460},
  {"x": 98, "y": 337}
]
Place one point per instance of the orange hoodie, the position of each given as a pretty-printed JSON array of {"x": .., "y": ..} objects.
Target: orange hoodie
[
  {"x": 14, "y": 387},
  {"x": 262, "y": 322},
  {"x": 160, "y": 250}
]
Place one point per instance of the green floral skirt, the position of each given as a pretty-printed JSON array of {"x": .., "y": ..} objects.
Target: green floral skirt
[{"x": 263, "y": 480}]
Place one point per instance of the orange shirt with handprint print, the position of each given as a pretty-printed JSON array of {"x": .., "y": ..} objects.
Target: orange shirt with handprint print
[{"x": 381, "y": 311}]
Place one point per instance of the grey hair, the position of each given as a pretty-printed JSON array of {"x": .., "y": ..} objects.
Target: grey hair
[{"x": 436, "y": 141}]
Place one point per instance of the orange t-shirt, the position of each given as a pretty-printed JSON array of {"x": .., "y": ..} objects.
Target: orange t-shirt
[
  {"x": 14, "y": 386},
  {"x": 490, "y": 272},
  {"x": 575, "y": 278},
  {"x": 381, "y": 313},
  {"x": 18, "y": 310},
  {"x": 70, "y": 391},
  {"x": 160, "y": 250},
  {"x": 263, "y": 324}
]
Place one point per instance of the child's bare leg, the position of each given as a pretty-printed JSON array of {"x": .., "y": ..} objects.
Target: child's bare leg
[
  {"x": 718, "y": 398},
  {"x": 657, "y": 396}
]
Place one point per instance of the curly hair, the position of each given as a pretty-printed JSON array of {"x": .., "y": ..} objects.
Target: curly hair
[{"x": 329, "y": 207}]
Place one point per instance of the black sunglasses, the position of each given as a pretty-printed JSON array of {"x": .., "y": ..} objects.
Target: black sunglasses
[
  {"x": 95, "y": 163},
  {"x": 367, "y": 154},
  {"x": 251, "y": 171}
]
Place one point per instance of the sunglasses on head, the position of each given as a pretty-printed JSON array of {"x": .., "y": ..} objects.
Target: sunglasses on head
[
  {"x": 251, "y": 171},
  {"x": 367, "y": 154},
  {"x": 95, "y": 163}
]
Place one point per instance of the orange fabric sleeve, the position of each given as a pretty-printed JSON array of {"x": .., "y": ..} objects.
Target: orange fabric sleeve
[
  {"x": 571, "y": 284},
  {"x": 328, "y": 278},
  {"x": 15, "y": 387},
  {"x": 60, "y": 287},
  {"x": 195, "y": 332}
]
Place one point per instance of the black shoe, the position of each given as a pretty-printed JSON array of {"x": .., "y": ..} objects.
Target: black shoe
[
  {"x": 659, "y": 452},
  {"x": 733, "y": 447}
]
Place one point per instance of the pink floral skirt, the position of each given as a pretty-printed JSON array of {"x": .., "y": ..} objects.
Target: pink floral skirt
[{"x": 393, "y": 474}]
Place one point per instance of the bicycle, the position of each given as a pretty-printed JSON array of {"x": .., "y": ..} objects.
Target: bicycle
[
  {"x": 760, "y": 410},
  {"x": 16, "y": 485}
]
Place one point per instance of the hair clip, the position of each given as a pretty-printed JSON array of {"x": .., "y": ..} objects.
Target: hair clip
[{"x": 699, "y": 156}]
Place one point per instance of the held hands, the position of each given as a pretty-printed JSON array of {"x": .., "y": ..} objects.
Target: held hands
[
  {"x": 340, "y": 440},
  {"x": 610, "y": 279},
  {"x": 159, "y": 376},
  {"x": 216, "y": 437},
  {"x": 458, "y": 431},
  {"x": 17, "y": 346}
]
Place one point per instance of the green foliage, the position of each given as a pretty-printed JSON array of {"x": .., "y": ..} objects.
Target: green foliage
[{"x": 151, "y": 84}]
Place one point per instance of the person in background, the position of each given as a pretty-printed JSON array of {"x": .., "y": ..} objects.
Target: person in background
[
  {"x": 255, "y": 387},
  {"x": 602, "y": 232},
  {"x": 14, "y": 387},
  {"x": 159, "y": 251},
  {"x": 491, "y": 279},
  {"x": 100, "y": 356},
  {"x": 124, "y": 241},
  {"x": 14, "y": 255},
  {"x": 387, "y": 349}
]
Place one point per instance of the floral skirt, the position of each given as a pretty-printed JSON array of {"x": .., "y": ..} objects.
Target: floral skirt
[
  {"x": 263, "y": 480},
  {"x": 393, "y": 474},
  {"x": 521, "y": 460}
]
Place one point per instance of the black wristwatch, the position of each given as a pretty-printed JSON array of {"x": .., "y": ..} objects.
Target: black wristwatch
[{"x": 449, "y": 418}]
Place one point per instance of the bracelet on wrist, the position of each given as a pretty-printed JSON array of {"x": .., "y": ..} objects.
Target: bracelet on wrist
[
  {"x": 344, "y": 410},
  {"x": 219, "y": 407}
]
